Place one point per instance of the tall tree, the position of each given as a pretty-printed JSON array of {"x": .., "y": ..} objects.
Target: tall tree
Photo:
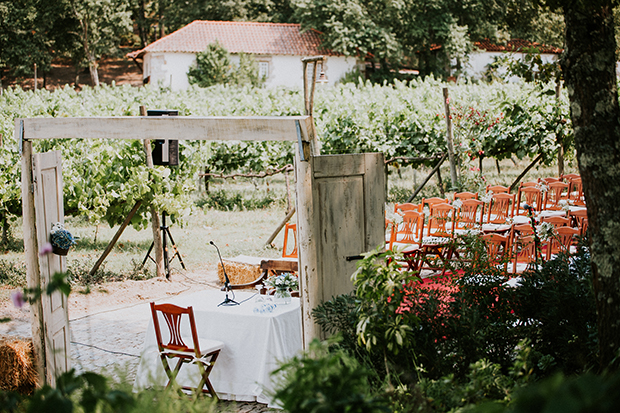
[
  {"x": 102, "y": 24},
  {"x": 589, "y": 67}
]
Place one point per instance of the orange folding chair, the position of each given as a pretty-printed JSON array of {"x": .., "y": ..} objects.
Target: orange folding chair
[
  {"x": 562, "y": 241},
  {"x": 530, "y": 195},
  {"x": 498, "y": 189},
  {"x": 497, "y": 249},
  {"x": 575, "y": 191},
  {"x": 524, "y": 253},
  {"x": 287, "y": 229},
  {"x": 557, "y": 191},
  {"x": 579, "y": 220},
  {"x": 441, "y": 220},
  {"x": 401, "y": 208},
  {"x": 501, "y": 208},
  {"x": 557, "y": 221},
  {"x": 407, "y": 237},
  {"x": 201, "y": 352},
  {"x": 465, "y": 195},
  {"x": 470, "y": 214}
]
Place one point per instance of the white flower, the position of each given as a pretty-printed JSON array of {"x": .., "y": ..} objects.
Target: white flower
[
  {"x": 457, "y": 203},
  {"x": 486, "y": 198},
  {"x": 545, "y": 231}
]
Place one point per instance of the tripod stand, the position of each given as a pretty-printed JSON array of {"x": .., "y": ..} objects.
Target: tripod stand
[{"x": 165, "y": 232}]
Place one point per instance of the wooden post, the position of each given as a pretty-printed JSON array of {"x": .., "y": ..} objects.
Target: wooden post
[
  {"x": 435, "y": 169},
  {"x": 525, "y": 171},
  {"x": 115, "y": 238},
  {"x": 155, "y": 225},
  {"x": 449, "y": 139},
  {"x": 280, "y": 226},
  {"x": 33, "y": 272}
]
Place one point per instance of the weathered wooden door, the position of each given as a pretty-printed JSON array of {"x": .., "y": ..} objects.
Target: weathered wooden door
[
  {"x": 341, "y": 214},
  {"x": 48, "y": 202}
]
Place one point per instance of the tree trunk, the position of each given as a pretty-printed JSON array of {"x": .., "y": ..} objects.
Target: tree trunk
[
  {"x": 589, "y": 67},
  {"x": 94, "y": 74}
]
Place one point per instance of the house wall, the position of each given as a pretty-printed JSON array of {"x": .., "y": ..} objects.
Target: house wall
[
  {"x": 168, "y": 69},
  {"x": 479, "y": 60}
]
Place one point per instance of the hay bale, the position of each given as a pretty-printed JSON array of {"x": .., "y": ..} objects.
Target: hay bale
[
  {"x": 17, "y": 369},
  {"x": 240, "y": 270}
]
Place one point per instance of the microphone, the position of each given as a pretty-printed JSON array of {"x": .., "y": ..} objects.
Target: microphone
[{"x": 227, "y": 301}]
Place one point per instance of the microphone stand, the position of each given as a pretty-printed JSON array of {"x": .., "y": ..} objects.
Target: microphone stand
[{"x": 227, "y": 301}]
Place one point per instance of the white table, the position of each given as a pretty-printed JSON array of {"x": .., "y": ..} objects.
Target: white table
[{"x": 254, "y": 345}]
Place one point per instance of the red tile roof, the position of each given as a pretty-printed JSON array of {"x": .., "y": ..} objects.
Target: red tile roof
[
  {"x": 517, "y": 45},
  {"x": 248, "y": 37}
]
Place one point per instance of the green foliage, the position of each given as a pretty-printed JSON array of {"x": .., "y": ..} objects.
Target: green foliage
[
  {"x": 108, "y": 177},
  {"x": 339, "y": 316},
  {"x": 224, "y": 200},
  {"x": 90, "y": 392},
  {"x": 380, "y": 288},
  {"x": 12, "y": 273},
  {"x": 324, "y": 381},
  {"x": 213, "y": 66}
]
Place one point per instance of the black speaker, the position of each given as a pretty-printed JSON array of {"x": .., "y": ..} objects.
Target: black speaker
[{"x": 166, "y": 151}]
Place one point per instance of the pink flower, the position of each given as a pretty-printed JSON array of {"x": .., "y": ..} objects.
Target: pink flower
[
  {"x": 45, "y": 249},
  {"x": 18, "y": 298}
]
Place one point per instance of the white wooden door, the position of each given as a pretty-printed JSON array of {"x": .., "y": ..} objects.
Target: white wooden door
[
  {"x": 47, "y": 177},
  {"x": 342, "y": 216}
]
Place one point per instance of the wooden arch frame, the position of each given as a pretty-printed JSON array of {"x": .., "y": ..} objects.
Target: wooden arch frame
[{"x": 299, "y": 129}]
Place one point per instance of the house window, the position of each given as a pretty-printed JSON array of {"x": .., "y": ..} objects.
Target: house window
[{"x": 263, "y": 70}]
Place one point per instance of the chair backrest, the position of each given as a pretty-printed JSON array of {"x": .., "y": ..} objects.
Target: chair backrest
[
  {"x": 409, "y": 231},
  {"x": 577, "y": 219},
  {"x": 465, "y": 195},
  {"x": 498, "y": 189},
  {"x": 287, "y": 229},
  {"x": 548, "y": 180},
  {"x": 562, "y": 241},
  {"x": 501, "y": 208},
  {"x": 432, "y": 201},
  {"x": 441, "y": 220},
  {"x": 173, "y": 316},
  {"x": 526, "y": 184},
  {"x": 568, "y": 177},
  {"x": 557, "y": 221},
  {"x": 575, "y": 191},
  {"x": 524, "y": 251},
  {"x": 400, "y": 208},
  {"x": 497, "y": 248},
  {"x": 556, "y": 192},
  {"x": 530, "y": 195},
  {"x": 520, "y": 230},
  {"x": 469, "y": 214}
]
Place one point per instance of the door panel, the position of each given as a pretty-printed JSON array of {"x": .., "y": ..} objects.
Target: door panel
[{"x": 47, "y": 176}]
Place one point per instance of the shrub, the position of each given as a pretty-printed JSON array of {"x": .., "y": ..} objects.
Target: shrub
[
  {"x": 13, "y": 274},
  {"x": 223, "y": 200},
  {"x": 324, "y": 381},
  {"x": 213, "y": 66}
]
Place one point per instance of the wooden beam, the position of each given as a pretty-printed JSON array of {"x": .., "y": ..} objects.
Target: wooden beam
[
  {"x": 280, "y": 226},
  {"x": 417, "y": 191},
  {"x": 525, "y": 171},
  {"x": 266, "y": 128}
]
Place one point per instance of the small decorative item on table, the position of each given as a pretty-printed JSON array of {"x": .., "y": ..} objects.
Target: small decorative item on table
[
  {"x": 61, "y": 239},
  {"x": 283, "y": 284}
]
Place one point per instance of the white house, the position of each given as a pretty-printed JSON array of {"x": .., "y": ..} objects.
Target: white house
[
  {"x": 486, "y": 53},
  {"x": 278, "y": 49}
]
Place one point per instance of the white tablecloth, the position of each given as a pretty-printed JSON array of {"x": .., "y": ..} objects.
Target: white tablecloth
[{"x": 254, "y": 344}]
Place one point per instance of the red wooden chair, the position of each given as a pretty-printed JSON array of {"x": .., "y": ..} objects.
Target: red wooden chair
[
  {"x": 441, "y": 220},
  {"x": 568, "y": 177},
  {"x": 201, "y": 352},
  {"x": 575, "y": 191},
  {"x": 408, "y": 234}
]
